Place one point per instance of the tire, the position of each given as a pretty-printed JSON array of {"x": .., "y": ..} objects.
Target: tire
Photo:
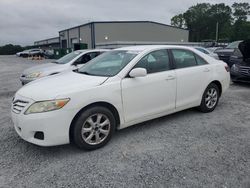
[
  {"x": 211, "y": 94},
  {"x": 87, "y": 130}
]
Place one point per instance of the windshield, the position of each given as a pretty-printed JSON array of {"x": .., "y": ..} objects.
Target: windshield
[
  {"x": 233, "y": 45},
  {"x": 67, "y": 58},
  {"x": 109, "y": 63}
]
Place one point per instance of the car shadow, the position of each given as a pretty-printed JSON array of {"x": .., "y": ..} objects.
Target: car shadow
[{"x": 242, "y": 84}]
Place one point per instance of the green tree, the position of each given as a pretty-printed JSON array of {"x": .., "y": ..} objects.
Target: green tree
[
  {"x": 195, "y": 19},
  {"x": 10, "y": 49},
  {"x": 241, "y": 10},
  {"x": 201, "y": 21},
  {"x": 221, "y": 14},
  {"x": 241, "y": 27},
  {"x": 178, "y": 21}
]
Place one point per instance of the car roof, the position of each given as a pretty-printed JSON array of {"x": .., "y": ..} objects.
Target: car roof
[
  {"x": 151, "y": 47},
  {"x": 92, "y": 50}
]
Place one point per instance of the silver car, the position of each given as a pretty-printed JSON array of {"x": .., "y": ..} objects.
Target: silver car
[
  {"x": 208, "y": 52},
  {"x": 70, "y": 61}
]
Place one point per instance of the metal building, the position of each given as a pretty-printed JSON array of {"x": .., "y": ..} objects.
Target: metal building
[
  {"x": 51, "y": 43},
  {"x": 98, "y": 33}
]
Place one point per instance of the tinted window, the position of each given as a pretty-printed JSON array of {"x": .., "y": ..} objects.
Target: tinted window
[
  {"x": 86, "y": 57},
  {"x": 156, "y": 61},
  {"x": 237, "y": 53},
  {"x": 234, "y": 45},
  {"x": 200, "y": 61},
  {"x": 67, "y": 58},
  {"x": 184, "y": 58},
  {"x": 94, "y": 54}
]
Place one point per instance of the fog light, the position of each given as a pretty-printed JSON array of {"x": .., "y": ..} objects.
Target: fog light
[{"x": 39, "y": 135}]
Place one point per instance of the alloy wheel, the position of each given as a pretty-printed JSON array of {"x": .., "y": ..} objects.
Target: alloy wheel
[
  {"x": 211, "y": 98},
  {"x": 95, "y": 129}
]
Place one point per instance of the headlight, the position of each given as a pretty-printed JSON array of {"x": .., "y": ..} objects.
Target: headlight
[
  {"x": 235, "y": 68},
  {"x": 34, "y": 75},
  {"x": 45, "y": 106}
]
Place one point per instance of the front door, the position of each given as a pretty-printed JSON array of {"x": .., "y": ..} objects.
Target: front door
[{"x": 153, "y": 94}]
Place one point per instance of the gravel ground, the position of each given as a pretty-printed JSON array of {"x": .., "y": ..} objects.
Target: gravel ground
[{"x": 186, "y": 149}]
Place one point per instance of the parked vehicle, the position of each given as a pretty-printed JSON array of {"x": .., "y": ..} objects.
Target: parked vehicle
[
  {"x": 225, "y": 53},
  {"x": 240, "y": 60},
  {"x": 117, "y": 89},
  {"x": 30, "y": 52},
  {"x": 20, "y": 53},
  {"x": 205, "y": 51},
  {"x": 68, "y": 62},
  {"x": 214, "y": 49},
  {"x": 49, "y": 54}
]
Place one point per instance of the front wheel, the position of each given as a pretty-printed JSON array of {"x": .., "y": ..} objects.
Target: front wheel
[
  {"x": 94, "y": 128},
  {"x": 210, "y": 98}
]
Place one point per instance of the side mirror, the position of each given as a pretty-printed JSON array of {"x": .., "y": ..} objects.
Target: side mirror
[{"x": 138, "y": 72}]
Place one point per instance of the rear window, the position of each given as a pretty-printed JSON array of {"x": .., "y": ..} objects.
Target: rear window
[{"x": 237, "y": 53}]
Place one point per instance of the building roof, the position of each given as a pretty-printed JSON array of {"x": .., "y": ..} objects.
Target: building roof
[
  {"x": 96, "y": 22},
  {"x": 49, "y": 39}
]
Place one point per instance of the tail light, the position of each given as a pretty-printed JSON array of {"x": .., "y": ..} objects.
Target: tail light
[{"x": 227, "y": 68}]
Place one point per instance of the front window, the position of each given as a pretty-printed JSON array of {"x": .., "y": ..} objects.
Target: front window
[
  {"x": 156, "y": 61},
  {"x": 109, "y": 63},
  {"x": 67, "y": 58}
]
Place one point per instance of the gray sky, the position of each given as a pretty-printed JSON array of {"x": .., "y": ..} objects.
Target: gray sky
[{"x": 24, "y": 21}]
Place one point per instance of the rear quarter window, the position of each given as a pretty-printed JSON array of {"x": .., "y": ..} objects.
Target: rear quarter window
[{"x": 183, "y": 58}]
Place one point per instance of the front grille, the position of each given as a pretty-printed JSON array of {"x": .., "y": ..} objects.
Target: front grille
[
  {"x": 19, "y": 105},
  {"x": 245, "y": 70}
]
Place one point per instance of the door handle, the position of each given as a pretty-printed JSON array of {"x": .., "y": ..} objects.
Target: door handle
[
  {"x": 170, "y": 77},
  {"x": 206, "y": 70}
]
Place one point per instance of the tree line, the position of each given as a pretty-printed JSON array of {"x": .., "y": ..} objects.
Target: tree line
[
  {"x": 10, "y": 49},
  {"x": 202, "y": 19}
]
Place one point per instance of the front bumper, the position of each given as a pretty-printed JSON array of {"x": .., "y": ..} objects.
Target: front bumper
[{"x": 54, "y": 126}]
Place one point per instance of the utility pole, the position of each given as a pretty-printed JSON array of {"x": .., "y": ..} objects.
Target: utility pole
[{"x": 217, "y": 31}]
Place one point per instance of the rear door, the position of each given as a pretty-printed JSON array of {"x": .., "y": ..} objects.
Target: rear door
[{"x": 193, "y": 74}]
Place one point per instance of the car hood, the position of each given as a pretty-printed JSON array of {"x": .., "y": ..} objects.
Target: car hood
[
  {"x": 48, "y": 67},
  {"x": 244, "y": 48},
  {"x": 61, "y": 84}
]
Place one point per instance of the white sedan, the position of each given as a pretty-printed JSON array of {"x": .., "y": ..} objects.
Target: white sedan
[
  {"x": 117, "y": 89},
  {"x": 70, "y": 61}
]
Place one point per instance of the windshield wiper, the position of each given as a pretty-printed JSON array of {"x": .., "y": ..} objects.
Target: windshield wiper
[
  {"x": 54, "y": 62},
  {"x": 84, "y": 72}
]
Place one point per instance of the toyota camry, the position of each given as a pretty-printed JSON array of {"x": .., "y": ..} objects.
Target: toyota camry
[{"x": 117, "y": 89}]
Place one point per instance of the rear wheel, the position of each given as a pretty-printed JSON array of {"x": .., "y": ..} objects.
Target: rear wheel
[
  {"x": 210, "y": 98},
  {"x": 93, "y": 128}
]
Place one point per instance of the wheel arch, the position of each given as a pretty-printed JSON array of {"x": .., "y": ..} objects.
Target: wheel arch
[
  {"x": 107, "y": 105},
  {"x": 219, "y": 85}
]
